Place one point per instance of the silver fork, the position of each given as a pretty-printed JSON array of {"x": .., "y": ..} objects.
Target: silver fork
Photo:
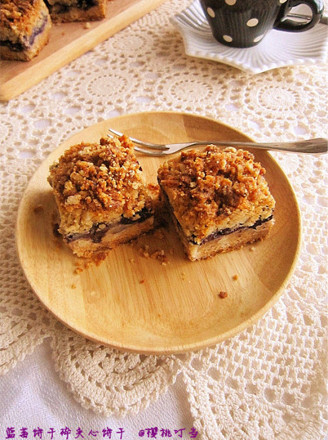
[{"x": 314, "y": 146}]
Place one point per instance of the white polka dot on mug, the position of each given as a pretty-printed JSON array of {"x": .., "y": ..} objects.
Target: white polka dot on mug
[{"x": 245, "y": 23}]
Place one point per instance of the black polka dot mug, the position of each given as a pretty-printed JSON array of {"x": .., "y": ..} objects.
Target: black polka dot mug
[{"x": 244, "y": 23}]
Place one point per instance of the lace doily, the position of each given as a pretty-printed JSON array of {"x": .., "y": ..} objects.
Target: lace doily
[{"x": 269, "y": 382}]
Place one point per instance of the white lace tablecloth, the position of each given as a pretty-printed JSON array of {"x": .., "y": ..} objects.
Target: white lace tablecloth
[{"x": 270, "y": 381}]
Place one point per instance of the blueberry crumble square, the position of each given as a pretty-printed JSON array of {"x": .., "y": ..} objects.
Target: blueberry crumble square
[
  {"x": 101, "y": 196},
  {"x": 24, "y": 28},
  {"x": 76, "y": 10},
  {"x": 218, "y": 199}
]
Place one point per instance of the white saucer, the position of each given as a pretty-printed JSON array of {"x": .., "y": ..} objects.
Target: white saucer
[{"x": 277, "y": 49}]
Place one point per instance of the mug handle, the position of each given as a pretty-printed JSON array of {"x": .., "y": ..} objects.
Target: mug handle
[{"x": 316, "y": 6}]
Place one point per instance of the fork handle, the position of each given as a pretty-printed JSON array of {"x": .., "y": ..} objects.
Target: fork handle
[{"x": 318, "y": 145}]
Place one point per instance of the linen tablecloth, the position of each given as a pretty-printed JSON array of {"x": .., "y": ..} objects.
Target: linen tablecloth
[{"x": 269, "y": 382}]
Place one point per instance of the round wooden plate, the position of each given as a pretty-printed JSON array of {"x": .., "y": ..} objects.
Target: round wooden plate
[{"x": 135, "y": 303}]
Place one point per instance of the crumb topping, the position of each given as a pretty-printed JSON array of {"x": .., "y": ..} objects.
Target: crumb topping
[
  {"x": 158, "y": 254},
  {"x": 102, "y": 178},
  {"x": 12, "y": 12},
  {"x": 214, "y": 188},
  {"x": 223, "y": 294},
  {"x": 13, "y": 9}
]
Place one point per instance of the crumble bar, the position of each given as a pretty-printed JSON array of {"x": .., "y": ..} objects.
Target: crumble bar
[
  {"x": 101, "y": 196},
  {"x": 24, "y": 28},
  {"x": 218, "y": 199},
  {"x": 62, "y": 11}
]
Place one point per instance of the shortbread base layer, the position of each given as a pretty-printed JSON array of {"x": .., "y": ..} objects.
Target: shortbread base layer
[
  {"x": 86, "y": 248},
  {"x": 224, "y": 243}
]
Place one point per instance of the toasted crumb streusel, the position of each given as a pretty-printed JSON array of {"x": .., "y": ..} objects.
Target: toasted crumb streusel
[
  {"x": 98, "y": 182},
  {"x": 215, "y": 189},
  {"x": 13, "y": 13}
]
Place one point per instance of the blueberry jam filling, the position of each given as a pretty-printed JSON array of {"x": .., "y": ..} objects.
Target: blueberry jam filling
[
  {"x": 81, "y": 4},
  {"x": 227, "y": 231},
  {"x": 96, "y": 233},
  {"x": 137, "y": 218},
  {"x": 26, "y": 42},
  {"x": 98, "y": 230},
  {"x": 86, "y": 4}
]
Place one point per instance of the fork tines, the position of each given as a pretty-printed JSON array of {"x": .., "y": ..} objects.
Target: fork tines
[{"x": 138, "y": 141}]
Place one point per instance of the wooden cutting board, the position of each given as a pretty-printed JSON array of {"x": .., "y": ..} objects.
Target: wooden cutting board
[{"x": 67, "y": 42}]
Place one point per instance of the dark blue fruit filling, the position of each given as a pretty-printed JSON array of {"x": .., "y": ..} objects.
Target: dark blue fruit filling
[
  {"x": 227, "y": 231},
  {"x": 81, "y": 4},
  {"x": 98, "y": 230},
  {"x": 26, "y": 42}
]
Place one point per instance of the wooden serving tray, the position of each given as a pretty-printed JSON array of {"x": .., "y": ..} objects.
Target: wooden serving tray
[
  {"x": 67, "y": 42},
  {"x": 134, "y": 303}
]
